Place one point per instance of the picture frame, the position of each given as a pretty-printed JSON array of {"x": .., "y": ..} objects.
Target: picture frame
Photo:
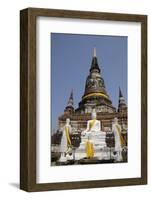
[{"x": 28, "y": 98}]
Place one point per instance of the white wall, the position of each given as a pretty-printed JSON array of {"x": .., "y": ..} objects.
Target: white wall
[{"x": 9, "y": 97}]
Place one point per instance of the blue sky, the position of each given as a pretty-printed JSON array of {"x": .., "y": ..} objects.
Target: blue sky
[{"x": 71, "y": 56}]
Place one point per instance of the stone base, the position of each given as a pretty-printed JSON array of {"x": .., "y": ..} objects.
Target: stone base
[
  {"x": 68, "y": 162},
  {"x": 94, "y": 160},
  {"x": 97, "y": 138},
  {"x": 66, "y": 158},
  {"x": 79, "y": 154},
  {"x": 63, "y": 159}
]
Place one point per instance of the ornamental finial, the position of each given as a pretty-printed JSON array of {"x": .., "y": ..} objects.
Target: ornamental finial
[{"x": 94, "y": 52}]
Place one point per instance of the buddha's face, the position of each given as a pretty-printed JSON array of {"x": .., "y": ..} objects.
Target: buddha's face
[
  {"x": 93, "y": 115},
  {"x": 115, "y": 120},
  {"x": 67, "y": 121}
]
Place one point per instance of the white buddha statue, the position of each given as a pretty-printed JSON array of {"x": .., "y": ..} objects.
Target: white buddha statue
[
  {"x": 119, "y": 141},
  {"x": 92, "y": 139},
  {"x": 93, "y": 125},
  {"x": 65, "y": 145}
]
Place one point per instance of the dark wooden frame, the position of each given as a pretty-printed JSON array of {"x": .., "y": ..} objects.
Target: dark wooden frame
[{"x": 28, "y": 98}]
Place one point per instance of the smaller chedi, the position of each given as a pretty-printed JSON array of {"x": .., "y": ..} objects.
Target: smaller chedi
[{"x": 92, "y": 140}]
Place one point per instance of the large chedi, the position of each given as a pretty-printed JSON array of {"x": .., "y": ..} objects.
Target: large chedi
[{"x": 95, "y": 95}]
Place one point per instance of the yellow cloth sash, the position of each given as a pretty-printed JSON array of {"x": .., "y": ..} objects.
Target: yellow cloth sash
[
  {"x": 91, "y": 124},
  {"x": 67, "y": 135},
  {"x": 89, "y": 149},
  {"x": 121, "y": 137},
  {"x": 89, "y": 146}
]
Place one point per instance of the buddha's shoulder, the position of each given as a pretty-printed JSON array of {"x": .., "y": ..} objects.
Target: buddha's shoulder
[{"x": 96, "y": 121}]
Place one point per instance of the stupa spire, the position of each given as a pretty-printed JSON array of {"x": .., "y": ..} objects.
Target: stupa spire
[
  {"x": 94, "y": 65},
  {"x": 94, "y": 52},
  {"x": 70, "y": 101},
  {"x": 121, "y": 105},
  {"x": 120, "y": 93},
  {"x": 70, "y": 105}
]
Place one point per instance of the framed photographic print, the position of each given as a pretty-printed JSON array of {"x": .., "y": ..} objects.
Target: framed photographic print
[{"x": 83, "y": 99}]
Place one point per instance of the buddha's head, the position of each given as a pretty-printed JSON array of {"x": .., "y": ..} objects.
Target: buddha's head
[
  {"x": 93, "y": 115},
  {"x": 67, "y": 121},
  {"x": 115, "y": 120}
]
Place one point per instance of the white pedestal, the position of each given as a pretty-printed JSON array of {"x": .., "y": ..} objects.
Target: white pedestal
[
  {"x": 63, "y": 158},
  {"x": 99, "y": 145}
]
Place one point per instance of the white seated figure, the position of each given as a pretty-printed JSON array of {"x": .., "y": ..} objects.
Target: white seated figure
[
  {"x": 92, "y": 140},
  {"x": 119, "y": 141},
  {"x": 65, "y": 145},
  {"x": 93, "y": 125}
]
